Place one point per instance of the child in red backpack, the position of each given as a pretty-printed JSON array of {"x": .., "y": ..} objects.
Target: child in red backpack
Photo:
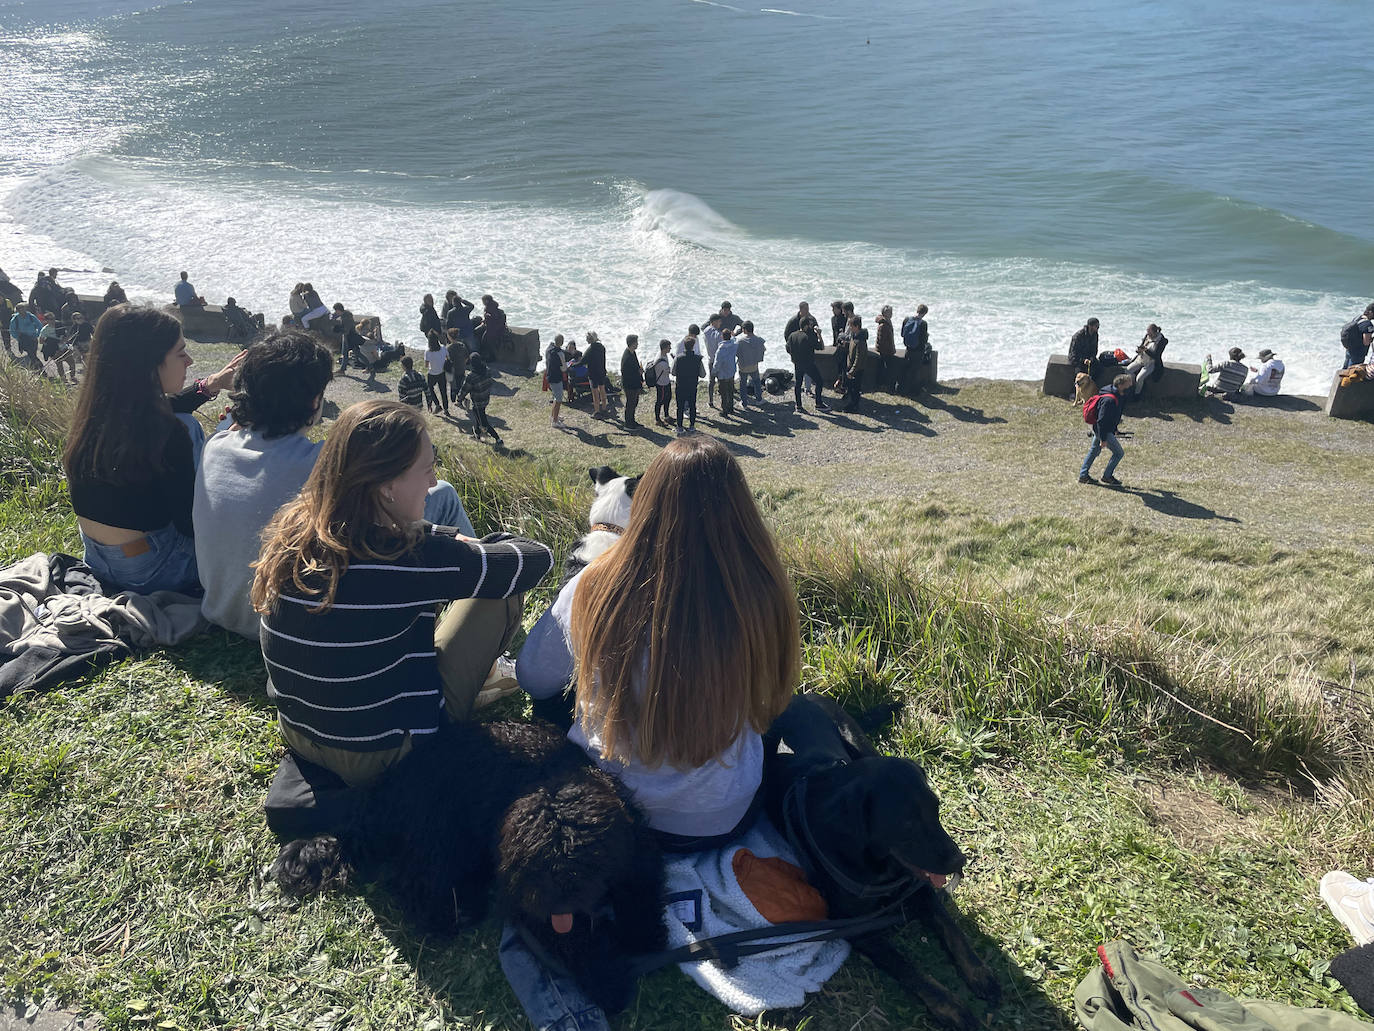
[{"x": 1103, "y": 413}]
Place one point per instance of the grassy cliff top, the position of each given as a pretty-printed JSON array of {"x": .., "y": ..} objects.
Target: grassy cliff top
[{"x": 1148, "y": 716}]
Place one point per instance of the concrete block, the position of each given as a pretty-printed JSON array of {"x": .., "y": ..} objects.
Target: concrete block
[
  {"x": 926, "y": 374},
  {"x": 1353, "y": 402},
  {"x": 1179, "y": 381},
  {"x": 92, "y": 306},
  {"x": 520, "y": 348},
  {"x": 205, "y": 322}
]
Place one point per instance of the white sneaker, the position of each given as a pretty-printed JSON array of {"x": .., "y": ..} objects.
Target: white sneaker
[
  {"x": 1352, "y": 901},
  {"x": 559, "y": 424}
]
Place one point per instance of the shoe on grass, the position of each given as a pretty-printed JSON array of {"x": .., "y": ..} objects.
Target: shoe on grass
[
  {"x": 559, "y": 424},
  {"x": 1111, "y": 481},
  {"x": 1352, "y": 902},
  {"x": 1085, "y": 478}
]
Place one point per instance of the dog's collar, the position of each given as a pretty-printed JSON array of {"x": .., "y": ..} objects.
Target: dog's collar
[{"x": 608, "y": 527}]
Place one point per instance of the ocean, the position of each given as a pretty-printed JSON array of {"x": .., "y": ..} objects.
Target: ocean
[{"x": 1017, "y": 166}]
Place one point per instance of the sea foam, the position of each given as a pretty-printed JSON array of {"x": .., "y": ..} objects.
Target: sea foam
[{"x": 648, "y": 261}]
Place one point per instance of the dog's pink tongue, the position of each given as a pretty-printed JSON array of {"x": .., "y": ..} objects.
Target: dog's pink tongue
[
  {"x": 938, "y": 879},
  {"x": 562, "y": 922}
]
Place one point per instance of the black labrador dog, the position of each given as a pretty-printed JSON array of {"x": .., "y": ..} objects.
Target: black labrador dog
[{"x": 868, "y": 830}]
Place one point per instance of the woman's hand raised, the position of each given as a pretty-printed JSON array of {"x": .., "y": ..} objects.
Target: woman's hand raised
[{"x": 225, "y": 377}]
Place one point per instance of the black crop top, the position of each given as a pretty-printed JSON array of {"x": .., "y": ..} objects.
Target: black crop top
[{"x": 153, "y": 503}]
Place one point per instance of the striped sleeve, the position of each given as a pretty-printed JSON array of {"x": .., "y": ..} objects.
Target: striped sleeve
[{"x": 497, "y": 566}]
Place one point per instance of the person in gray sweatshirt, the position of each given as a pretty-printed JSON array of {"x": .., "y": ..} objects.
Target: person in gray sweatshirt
[{"x": 260, "y": 462}]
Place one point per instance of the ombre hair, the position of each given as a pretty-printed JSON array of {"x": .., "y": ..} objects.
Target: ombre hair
[
  {"x": 339, "y": 515},
  {"x": 695, "y": 589}
]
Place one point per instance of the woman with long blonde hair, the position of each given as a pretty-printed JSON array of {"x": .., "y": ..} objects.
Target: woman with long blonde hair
[
  {"x": 349, "y": 583},
  {"x": 682, "y": 645}
]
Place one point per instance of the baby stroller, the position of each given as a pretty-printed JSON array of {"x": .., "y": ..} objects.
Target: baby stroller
[{"x": 576, "y": 381}]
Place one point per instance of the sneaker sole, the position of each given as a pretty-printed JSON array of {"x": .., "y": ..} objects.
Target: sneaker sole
[{"x": 1333, "y": 893}]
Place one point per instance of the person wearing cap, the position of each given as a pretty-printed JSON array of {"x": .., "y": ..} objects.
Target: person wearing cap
[
  {"x": 1265, "y": 380},
  {"x": 595, "y": 357},
  {"x": 1226, "y": 378},
  {"x": 1105, "y": 430}
]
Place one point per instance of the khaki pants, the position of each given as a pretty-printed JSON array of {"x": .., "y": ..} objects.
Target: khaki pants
[{"x": 469, "y": 637}]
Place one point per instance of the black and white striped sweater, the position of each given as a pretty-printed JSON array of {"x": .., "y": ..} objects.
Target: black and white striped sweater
[{"x": 363, "y": 675}]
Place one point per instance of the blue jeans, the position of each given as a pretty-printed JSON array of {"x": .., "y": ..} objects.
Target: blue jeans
[
  {"x": 551, "y": 1001},
  {"x": 443, "y": 507},
  {"x": 750, "y": 382},
  {"x": 1354, "y": 358},
  {"x": 1113, "y": 445},
  {"x": 196, "y": 433},
  {"x": 168, "y": 564}
]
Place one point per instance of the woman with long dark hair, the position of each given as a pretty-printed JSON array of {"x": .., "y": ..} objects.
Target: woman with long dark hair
[
  {"x": 682, "y": 645},
  {"x": 133, "y": 448},
  {"x": 349, "y": 582}
]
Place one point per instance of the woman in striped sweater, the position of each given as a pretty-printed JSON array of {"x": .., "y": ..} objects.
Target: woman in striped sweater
[{"x": 349, "y": 584}]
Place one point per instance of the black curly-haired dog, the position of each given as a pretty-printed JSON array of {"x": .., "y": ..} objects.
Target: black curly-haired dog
[{"x": 517, "y": 804}]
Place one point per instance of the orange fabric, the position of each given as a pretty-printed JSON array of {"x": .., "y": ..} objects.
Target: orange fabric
[{"x": 778, "y": 889}]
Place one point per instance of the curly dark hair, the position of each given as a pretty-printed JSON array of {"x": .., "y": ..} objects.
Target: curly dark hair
[{"x": 276, "y": 386}]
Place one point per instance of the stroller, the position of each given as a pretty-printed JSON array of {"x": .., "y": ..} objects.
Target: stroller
[{"x": 576, "y": 382}]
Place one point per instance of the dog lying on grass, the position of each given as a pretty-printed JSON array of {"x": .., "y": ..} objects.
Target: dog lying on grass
[
  {"x": 868, "y": 828},
  {"x": 515, "y": 804}
]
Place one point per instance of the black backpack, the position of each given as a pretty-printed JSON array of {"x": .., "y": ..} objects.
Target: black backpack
[{"x": 1352, "y": 336}]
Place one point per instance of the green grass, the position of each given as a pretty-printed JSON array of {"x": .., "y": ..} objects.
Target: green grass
[{"x": 1109, "y": 781}]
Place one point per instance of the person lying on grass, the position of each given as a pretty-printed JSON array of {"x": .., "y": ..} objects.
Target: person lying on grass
[
  {"x": 257, "y": 465},
  {"x": 349, "y": 584}
]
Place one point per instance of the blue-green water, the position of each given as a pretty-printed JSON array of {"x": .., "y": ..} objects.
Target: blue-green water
[{"x": 1017, "y": 166}]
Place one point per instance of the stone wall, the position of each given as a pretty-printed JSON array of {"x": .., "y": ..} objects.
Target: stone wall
[
  {"x": 1179, "y": 382},
  {"x": 926, "y": 374}
]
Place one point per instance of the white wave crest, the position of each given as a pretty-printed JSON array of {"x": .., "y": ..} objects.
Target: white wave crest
[{"x": 649, "y": 263}]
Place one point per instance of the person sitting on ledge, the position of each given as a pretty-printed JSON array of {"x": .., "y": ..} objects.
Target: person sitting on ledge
[
  {"x": 185, "y": 294},
  {"x": 243, "y": 325},
  {"x": 1149, "y": 357},
  {"x": 115, "y": 294},
  {"x": 257, "y": 465},
  {"x": 1083, "y": 354},
  {"x": 1265, "y": 381},
  {"x": 314, "y": 307},
  {"x": 349, "y": 582},
  {"x": 132, "y": 452},
  {"x": 1228, "y": 377}
]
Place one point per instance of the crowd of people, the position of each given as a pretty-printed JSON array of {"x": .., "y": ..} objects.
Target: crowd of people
[{"x": 728, "y": 355}]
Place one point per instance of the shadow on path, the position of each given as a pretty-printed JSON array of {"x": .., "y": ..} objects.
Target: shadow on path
[{"x": 1166, "y": 502}]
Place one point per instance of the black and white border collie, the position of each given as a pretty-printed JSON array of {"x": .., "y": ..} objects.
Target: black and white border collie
[{"x": 609, "y": 513}]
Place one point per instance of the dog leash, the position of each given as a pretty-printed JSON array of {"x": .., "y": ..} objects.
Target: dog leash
[{"x": 729, "y": 949}]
